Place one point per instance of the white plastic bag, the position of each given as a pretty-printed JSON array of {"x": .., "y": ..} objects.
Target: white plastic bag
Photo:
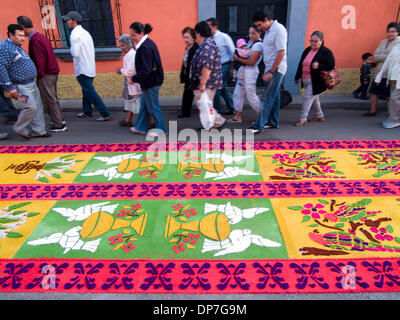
[{"x": 207, "y": 113}]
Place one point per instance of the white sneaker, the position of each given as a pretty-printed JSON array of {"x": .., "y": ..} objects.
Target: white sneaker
[
  {"x": 3, "y": 136},
  {"x": 387, "y": 124},
  {"x": 102, "y": 119},
  {"x": 156, "y": 133},
  {"x": 83, "y": 115}
]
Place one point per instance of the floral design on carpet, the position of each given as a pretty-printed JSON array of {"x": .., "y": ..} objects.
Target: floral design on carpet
[
  {"x": 383, "y": 162},
  {"x": 304, "y": 165},
  {"x": 344, "y": 227}
]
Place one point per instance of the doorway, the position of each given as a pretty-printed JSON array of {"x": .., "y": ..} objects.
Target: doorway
[{"x": 236, "y": 16}]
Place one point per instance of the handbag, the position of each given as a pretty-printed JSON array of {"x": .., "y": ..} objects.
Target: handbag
[
  {"x": 331, "y": 78},
  {"x": 286, "y": 97},
  {"x": 194, "y": 83}
]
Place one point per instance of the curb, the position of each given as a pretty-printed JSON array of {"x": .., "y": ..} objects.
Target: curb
[{"x": 174, "y": 103}]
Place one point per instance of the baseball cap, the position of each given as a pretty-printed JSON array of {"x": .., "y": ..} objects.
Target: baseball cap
[{"x": 73, "y": 15}]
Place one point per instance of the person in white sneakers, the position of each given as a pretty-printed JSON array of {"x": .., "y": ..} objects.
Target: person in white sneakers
[{"x": 82, "y": 51}]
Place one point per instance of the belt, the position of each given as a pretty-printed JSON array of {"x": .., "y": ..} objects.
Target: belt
[{"x": 24, "y": 82}]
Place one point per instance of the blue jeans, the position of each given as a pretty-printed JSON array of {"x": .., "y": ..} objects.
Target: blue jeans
[
  {"x": 90, "y": 97},
  {"x": 224, "y": 92},
  {"x": 271, "y": 103},
  {"x": 150, "y": 106},
  {"x": 363, "y": 89}
]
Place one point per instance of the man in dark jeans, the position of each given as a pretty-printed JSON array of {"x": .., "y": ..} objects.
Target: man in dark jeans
[{"x": 82, "y": 51}]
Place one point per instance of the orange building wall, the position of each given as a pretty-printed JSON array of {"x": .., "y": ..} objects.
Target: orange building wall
[
  {"x": 372, "y": 18},
  {"x": 167, "y": 21}
]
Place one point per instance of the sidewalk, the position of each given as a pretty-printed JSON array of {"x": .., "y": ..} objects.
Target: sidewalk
[{"x": 331, "y": 101}]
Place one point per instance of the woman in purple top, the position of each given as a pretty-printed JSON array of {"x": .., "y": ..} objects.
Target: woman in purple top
[{"x": 206, "y": 68}]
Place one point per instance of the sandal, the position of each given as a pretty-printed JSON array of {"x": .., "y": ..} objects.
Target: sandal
[
  {"x": 235, "y": 120},
  {"x": 123, "y": 123},
  {"x": 316, "y": 119},
  {"x": 301, "y": 123}
]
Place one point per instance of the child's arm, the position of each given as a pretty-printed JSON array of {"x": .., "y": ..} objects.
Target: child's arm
[{"x": 250, "y": 61}]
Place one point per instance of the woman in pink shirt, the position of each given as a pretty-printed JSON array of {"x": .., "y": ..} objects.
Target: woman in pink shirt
[{"x": 315, "y": 58}]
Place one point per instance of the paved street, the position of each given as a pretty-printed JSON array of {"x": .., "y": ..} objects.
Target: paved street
[
  {"x": 343, "y": 115},
  {"x": 344, "y": 122}
]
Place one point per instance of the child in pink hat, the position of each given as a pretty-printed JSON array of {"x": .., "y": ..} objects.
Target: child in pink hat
[{"x": 243, "y": 52}]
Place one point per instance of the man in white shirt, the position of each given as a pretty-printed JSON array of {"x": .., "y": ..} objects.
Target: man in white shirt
[
  {"x": 82, "y": 51},
  {"x": 227, "y": 48},
  {"x": 275, "y": 60}
]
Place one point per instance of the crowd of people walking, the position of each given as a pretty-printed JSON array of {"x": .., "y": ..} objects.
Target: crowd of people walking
[{"x": 209, "y": 61}]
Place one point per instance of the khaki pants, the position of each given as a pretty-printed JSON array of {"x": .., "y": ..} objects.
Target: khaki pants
[
  {"x": 48, "y": 92},
  {"x": 394, "y": 103},
  {"x": 310, "y": 100},
  {"x": 219, "y": 120}
]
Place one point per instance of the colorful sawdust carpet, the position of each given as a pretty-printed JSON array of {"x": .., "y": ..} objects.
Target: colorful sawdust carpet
[{"x": 273, "y": 217}]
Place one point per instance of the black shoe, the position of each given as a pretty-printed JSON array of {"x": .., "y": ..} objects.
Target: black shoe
[
  {"x": 84, "y": 115},
  {"x": 255, "y": 131},
  {"x": 183, "y": 116},
  {"x": 63, "y": 128},
  {"x": 369, "y": 114},
  {"x": 228, "y": 113},
  {"x": 270, "y": 126}
]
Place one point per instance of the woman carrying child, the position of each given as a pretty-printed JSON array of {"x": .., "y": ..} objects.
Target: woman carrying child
[{"x": 249, "y": 71}]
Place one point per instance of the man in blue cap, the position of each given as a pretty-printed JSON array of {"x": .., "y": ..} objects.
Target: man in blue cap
[{"x": 82, "y": 51}]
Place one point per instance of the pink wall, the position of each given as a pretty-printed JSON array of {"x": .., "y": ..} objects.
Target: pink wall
[
  {"x": 371, "y": 20},
  {"x": 168, "y": 18}
]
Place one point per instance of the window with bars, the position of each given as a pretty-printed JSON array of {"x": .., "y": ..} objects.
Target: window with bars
[{"x": 100, "y": 17}]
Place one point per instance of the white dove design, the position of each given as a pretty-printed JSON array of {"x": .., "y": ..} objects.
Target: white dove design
[
  {"x": 234, "y": 214},
  {"x": 117, "y": 159},
  {"x": 85, "y": 212},
  {"x": 226, "y": 158},
  {"x": 229, "y": 172},
  {"x": 112, "y": 172},
  {"x": 238, "y": 241},
  {"x": 69, "y": 240}
]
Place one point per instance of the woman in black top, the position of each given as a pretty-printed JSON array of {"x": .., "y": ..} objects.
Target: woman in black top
[
  {"x": 315, "y": 58},
  {"x": 150, "y": 76},
  {"x": 189, "y": 36}
]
